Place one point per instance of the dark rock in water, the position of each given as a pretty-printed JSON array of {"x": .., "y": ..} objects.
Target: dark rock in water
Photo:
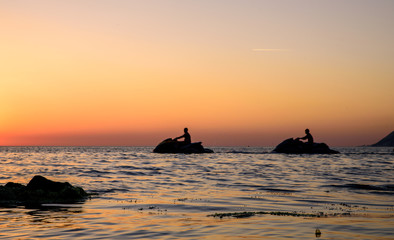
[
  {"x": 171, "y": 146},
  {"x": 387, "y": 141},
  {"x": 295, "y": 146},
  {"x": 40, "y": 182},
  {"x": 41, "y": 190}
]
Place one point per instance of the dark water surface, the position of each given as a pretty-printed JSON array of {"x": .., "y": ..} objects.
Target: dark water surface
[{"x": 143, "y": 195}]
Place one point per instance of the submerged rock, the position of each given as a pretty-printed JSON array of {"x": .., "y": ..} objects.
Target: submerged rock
[
  {"x": 295, "y": 146},
  {"x": 41, "y": 190},
  {"x": 172, "y": 146}
]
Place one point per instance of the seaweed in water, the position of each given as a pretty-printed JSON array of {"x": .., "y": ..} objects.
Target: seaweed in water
[{"x": 250, "y": 214}]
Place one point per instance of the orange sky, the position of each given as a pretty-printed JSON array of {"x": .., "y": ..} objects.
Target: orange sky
[{"x": 234, "y": 72}]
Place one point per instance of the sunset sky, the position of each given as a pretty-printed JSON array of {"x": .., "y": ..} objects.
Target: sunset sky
[{"x": 250, "y": 72}]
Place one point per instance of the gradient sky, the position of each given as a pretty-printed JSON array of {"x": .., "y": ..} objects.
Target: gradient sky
[{"x": 113, "y": 72}]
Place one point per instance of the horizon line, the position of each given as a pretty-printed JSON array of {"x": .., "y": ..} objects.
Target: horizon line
[{"x": 247, "y": 146}]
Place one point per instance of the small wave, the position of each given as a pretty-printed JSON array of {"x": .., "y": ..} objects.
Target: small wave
[
  {"x": 93, "y": 171},
  {"x": 152, "y": 168},
  {"x": 127, "y": 167},
  {"x": 369, "y": 153},
  {"x": 278, "y": 190},
  {"x": 246, "y": 152},
  {"x": 133, "y": 173},
  {"x": 139, "y": 168},
  {"x": 111, "y": 190},
  {"x": 386, "y": 189}
]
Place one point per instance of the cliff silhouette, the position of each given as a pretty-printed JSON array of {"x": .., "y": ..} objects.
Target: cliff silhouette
[{"x": 387, "y": 141}]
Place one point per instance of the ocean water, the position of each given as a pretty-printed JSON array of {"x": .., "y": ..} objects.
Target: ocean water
[{"x": 144, "y": 195}]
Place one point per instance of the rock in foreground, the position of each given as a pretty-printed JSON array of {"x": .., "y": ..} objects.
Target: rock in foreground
[
  {"x": 171, "y": 146},
  {"x": 295, "y": 146},
  {"x": 41, "y": 190}
]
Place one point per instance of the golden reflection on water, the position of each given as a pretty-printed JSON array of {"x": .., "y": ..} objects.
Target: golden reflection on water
[{"x": 102, "y": 218}]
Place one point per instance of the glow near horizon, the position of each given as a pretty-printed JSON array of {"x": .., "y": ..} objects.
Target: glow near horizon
[{"x": 151, "y": 68}]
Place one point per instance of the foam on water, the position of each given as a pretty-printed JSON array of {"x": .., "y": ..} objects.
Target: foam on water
[{"x": 143, "y": 195}]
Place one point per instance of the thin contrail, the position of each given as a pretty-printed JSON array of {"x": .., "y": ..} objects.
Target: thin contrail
[{"x": 271, "y": 50}]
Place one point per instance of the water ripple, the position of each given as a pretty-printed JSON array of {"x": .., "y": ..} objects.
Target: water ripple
[{"x": 144, "y": 195}]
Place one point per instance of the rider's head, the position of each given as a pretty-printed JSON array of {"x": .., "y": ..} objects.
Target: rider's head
[
  {"x": 307, "y": 131},
  {"x": 185, "y": 130}
]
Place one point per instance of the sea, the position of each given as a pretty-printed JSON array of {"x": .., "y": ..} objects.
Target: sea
[{"x": 234, "y": 193}]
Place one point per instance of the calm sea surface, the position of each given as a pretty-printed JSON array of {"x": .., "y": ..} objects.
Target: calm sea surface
[{"x": 144, "y": 195}]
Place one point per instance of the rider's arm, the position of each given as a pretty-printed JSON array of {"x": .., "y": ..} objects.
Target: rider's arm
[{"x": 179, "y": 137}]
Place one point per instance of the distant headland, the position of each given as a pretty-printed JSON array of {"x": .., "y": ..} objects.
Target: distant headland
[{"x": 387, "y": 141}]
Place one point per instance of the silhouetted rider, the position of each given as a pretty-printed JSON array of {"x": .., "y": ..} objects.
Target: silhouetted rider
[
  {"x": 308, "y": 136},
  {"x": 186, "y": 136}
]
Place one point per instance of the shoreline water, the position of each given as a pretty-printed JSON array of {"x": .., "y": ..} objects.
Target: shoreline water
[{"x": 142, "y": 195}]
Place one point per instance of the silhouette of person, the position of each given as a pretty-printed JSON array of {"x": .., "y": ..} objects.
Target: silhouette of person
[
  {"x": 308, "y": 137},
  {"x": 186, "y": 136}
]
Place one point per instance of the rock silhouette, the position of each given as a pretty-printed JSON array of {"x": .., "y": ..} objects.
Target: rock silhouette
[
  {"x": 171, "y": 146},
  {"x": 40, "y": 190},
  {"x": 295, "y": 146},
  {"x": 387, "y": 141}
]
